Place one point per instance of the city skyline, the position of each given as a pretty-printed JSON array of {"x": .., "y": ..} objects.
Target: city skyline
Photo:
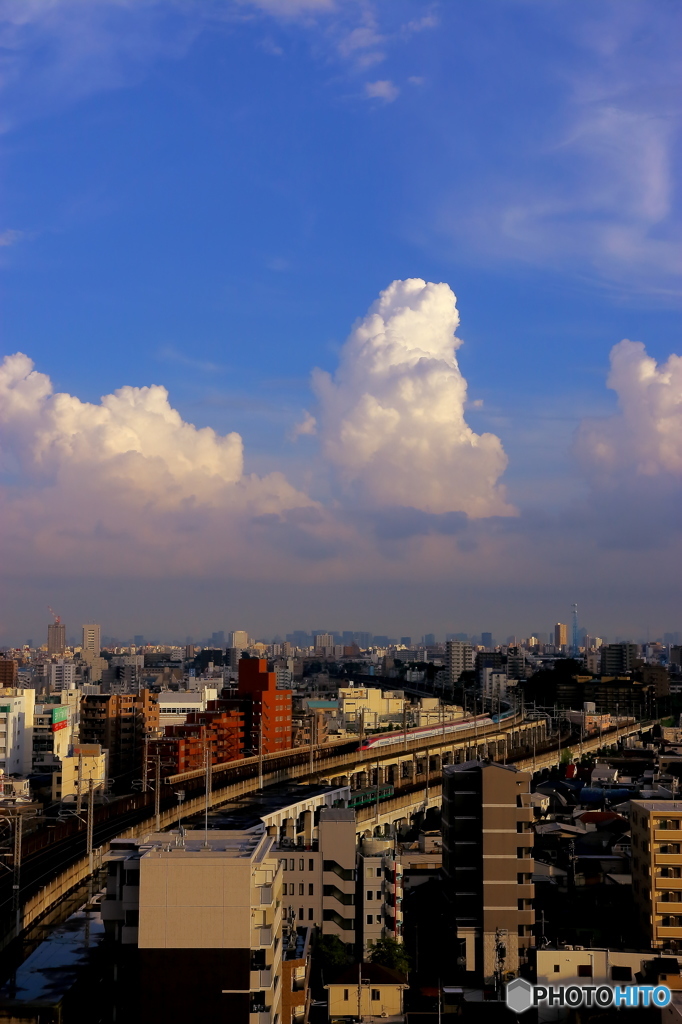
[{"x": 263, "y": 353}]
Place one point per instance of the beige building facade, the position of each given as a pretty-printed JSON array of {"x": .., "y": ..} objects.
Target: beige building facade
[{"x": 656, "y": 827}]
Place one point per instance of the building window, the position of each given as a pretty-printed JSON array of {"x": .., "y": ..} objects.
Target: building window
[
  {"x": 310, "y": 914},
  {"x": 300, "y": 917},
  {"x": 132, "y": 918},
  {"x": 291, "y": 864},
  {"x": 621, "y": 973},
  {"x": 311, "y": 864},
  {"x": 376, "y": 995},
  {"x": 370, "y": 894},
  {"x": 584, "y": 970},
  {"x": 379, "y": 894},
  {"x": 301, "y": 864},
  {"x": 345, "y": 995},
  {"x": 301, "y": 888},
  {"x": 556, "y": 968},
  {"x": 370, "y": 919},
  {"x": 310, "y": 888},
  {"x": 378, "y": 872}
]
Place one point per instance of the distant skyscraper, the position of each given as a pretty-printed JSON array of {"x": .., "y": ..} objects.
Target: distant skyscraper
[
  {"x": 486, "y": 639},
  {"x": 56, "y": 638},
  {"x": 138, "y": 640},
  {"x": 324, "y": 642},
  {"x": 429, "y": 639},
  {"x": 92, "y": 638},
  {"x": 561, "y": 634},
  {"x": 406, "y": 641},
  {"x": 239, "y": 638},
  {"x": 218, "y": 638}
]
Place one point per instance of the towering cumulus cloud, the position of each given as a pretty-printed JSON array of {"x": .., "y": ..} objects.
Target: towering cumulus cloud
[
  {"x": 123, "y": 485},
  {"x": 392, "y": 418},
  {"x": 645, "y": 438}
]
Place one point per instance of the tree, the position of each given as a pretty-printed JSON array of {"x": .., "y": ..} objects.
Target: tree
[
  {"x": 389, "y": 953},
  {"x": 332, "y": 953}
]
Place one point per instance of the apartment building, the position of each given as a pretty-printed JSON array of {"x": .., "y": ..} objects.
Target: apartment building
[
  {"x": 16, "y": 730},
  {"x": 9, "y": 672},
  {"x": 267, "y": 710},
  {"x": 84, "y": 763},
  {"x": 379, "y": 894},
  {"x": 318, "y": 878},
  {"x": 205, "y": 913},
  {"x": 52, "y": 736},
  {"x": 119, "y": 723},
  {"x": 488, "y": 865},
  {"x": 62, "y": 675},
  {"x": 656, "y": 827},
  {"x": 459, "y": 657},
  {"x": 184, "y": 747}
]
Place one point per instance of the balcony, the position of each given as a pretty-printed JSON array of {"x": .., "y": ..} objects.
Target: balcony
[
  {"x": 263, "y": 936},
  {"x": 525, "y": 892},
  {"x": 260, "y": 1017},
  {"x": 668, "y": 907},
  {"x": 667, "y": 883},
  {"x": 674, "y": 859},
  {"x": 525, "y": 865},
  {"x": 260, "y": 979},
  {"x": 669, "y": 933},
  {"x": 265, "y": 895},
  {"x": 525, "y": 917},
  {"x": 525, "y": 814},
  {"x": 668, "y": 835}
]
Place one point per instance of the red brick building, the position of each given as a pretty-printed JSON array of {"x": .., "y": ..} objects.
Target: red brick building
[
  {"x": 183, "y": 746},
  {"x": 267, "y": 709}
]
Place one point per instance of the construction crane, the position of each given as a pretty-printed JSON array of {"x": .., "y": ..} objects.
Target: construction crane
[{"x": 57, "y": 618}]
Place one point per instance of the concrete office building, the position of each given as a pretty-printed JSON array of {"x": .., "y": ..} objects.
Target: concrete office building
[
  {"x": 657, "y": 870},
  {"x": 459, "y": 657},
  {"x": 239, "y": 638},
  {"x": 92, "y": 639},
  {"x": 488, "y": 865},
  {"x": 205, "y": 912},
  {"x": 56, "y": 639}
]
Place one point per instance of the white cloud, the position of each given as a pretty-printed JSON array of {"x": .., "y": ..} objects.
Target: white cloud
[
  {"x": 306, "y": 427},
  {"x": 391, "y": 420},
  {"x": 382, "y": 90},
  {"x": 10, "y": 237},
  {"x": 130, "y": 472},
  {"x": 645, "y": 438}
]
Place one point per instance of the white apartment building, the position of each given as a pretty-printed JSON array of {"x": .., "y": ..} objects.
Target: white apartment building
[
  {"x": 459, "y": 657},
  {"x": 205, "y": 909},
  {"x": 16, "y": 730},
  {"x": 92, "y": 639},
  {"x": 494, "y": 684},
  {"x": 62, "y": 675}
]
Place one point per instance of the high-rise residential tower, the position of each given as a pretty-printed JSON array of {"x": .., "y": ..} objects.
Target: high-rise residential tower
[
  {"x": 56, "y": 638},
  {"x": 488, "y": 865},
  {"x": 561, "y": 634},
  {"x": 459, "y": 657},
  {"x": 239, "y": 638}
]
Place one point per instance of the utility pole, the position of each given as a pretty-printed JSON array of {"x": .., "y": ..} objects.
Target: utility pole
[
  {"x": 157, "y": 791},
  {"x": 79, "y": 798},
  {"x": 145, "y": 784},
  {"x": 16, "y": 879},
  {"x": 91, "y": 823}
]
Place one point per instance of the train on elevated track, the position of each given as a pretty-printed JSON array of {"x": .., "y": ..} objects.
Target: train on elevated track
[{"x": 425, "y": 732}]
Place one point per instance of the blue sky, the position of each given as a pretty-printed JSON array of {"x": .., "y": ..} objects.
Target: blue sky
[{"x": 208, "y": 196}]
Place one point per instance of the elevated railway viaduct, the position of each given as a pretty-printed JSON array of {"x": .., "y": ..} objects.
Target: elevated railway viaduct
[{"x": 54, "y": 860}]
